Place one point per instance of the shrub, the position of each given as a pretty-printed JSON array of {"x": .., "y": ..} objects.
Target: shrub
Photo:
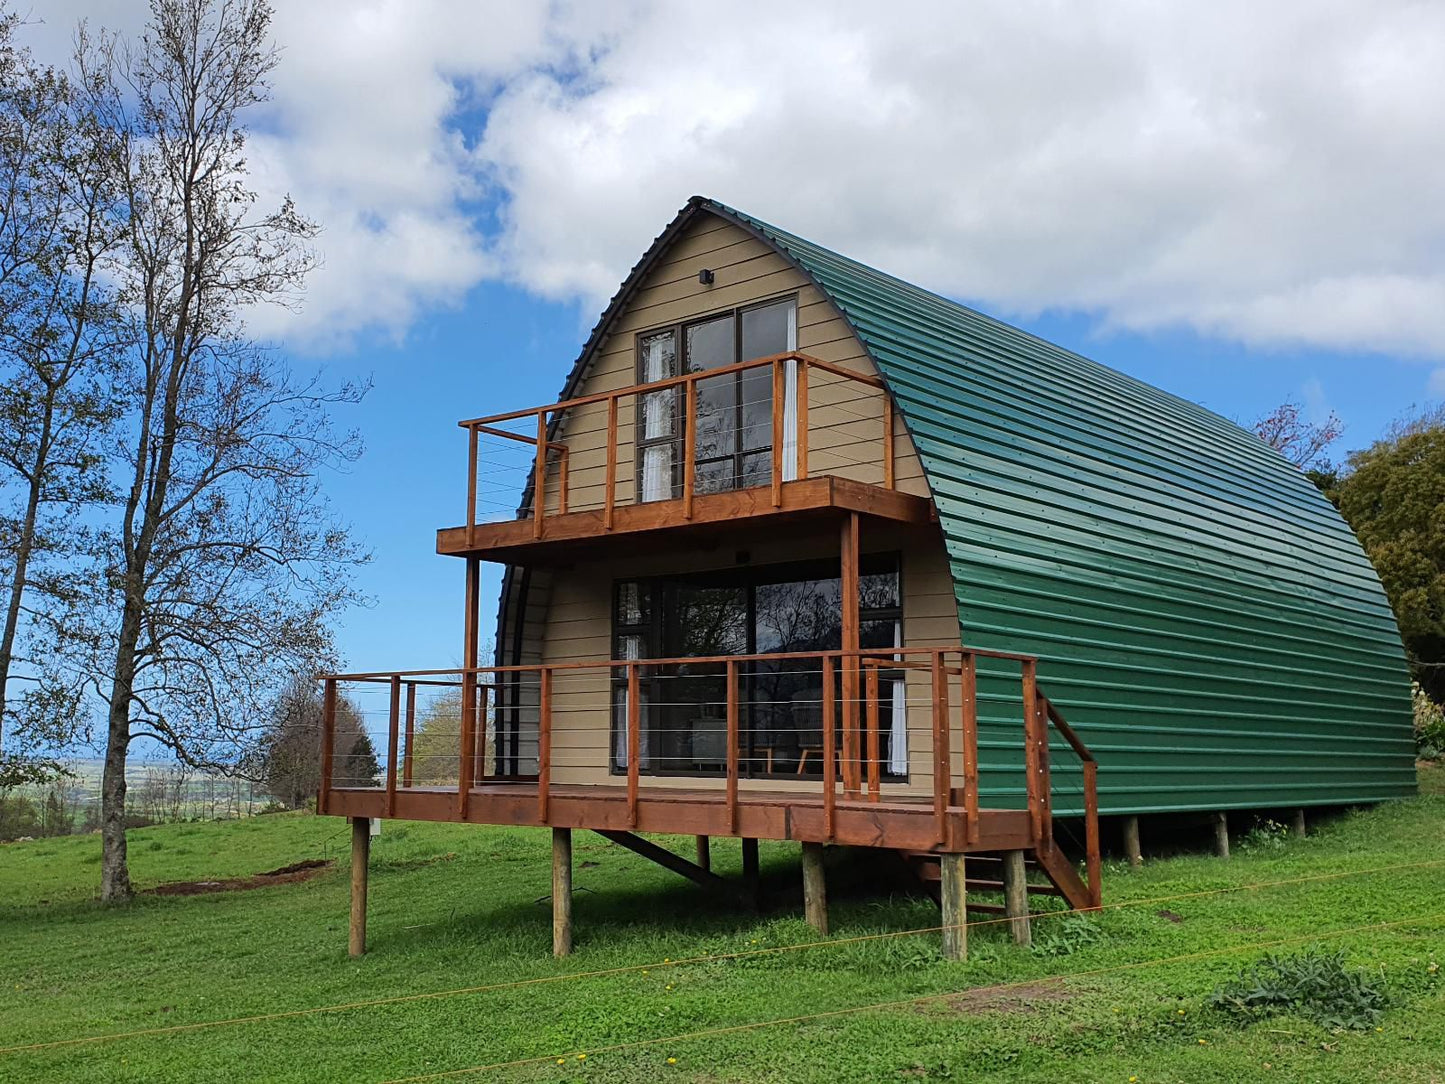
[
  {"x": 1315, "y": 985},
  {"x": 1429, "y": 727}
]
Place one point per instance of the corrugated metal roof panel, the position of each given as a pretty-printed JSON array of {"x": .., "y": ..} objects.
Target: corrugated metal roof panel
[{"x": 1204, "y": 617}]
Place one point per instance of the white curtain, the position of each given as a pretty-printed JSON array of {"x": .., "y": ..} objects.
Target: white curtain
[
  {"x": 898, "y": 748},
  {"x": 630, "y": 649},
  {"x": 658, "y": 354},
  {"x": 790, "y": 402}
]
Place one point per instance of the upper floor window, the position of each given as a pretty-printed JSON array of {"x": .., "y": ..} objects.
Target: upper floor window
[{"x": 734, "y": 426}]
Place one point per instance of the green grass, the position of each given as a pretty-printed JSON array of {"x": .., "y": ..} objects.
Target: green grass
[{"x": 455, "y": 906}]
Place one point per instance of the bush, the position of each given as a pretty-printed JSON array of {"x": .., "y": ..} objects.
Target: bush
[
  {"x": 1065, "y": 936},
  {"x": 1429, "y": 727},
  {"x": 1315, "y": 985}
]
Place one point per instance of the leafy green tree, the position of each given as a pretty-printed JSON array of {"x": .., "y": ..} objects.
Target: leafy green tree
[{"x": 1393, "y": 496}]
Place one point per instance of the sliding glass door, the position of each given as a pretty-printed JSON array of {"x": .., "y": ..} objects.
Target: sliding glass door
[{"x": 762, "y": 610}]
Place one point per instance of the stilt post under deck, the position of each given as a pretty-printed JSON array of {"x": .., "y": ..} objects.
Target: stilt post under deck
[
  {"x": 704, "y": 852},
  {"x": 1132, "y": 850},
  {"x": 1221, "y": 834},
  {"x": 848, "y": 571},
  {"x": 815, "y": 888},
  {"x": 561, "y": 891},
  {"x": 1297, "y": 824},
  {"x": 1016, "y": 897},
  {"x": 360, "y": 857},
  {"x": 953, "y": 893},
  {"x": 750, "y": 871}
]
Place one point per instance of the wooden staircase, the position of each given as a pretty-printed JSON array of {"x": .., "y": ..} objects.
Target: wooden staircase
[{"x": 1047, "y": 873}]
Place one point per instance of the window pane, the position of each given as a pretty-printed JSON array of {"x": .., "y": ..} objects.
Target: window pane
[
  {"x": 710, "y": 344},
  {"x": 707, "y": 621},
  {"x": 757, "y": 398},
  {"x": 765, "y": 330},
  {"x": 659, "y": 356},
  {"x": 878, "y": 591},
  {"x": 801, "y": 616}
]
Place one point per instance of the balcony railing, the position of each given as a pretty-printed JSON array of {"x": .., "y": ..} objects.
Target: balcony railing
[
  {"x": 524, "y": 725},
  {"x": 582, "y": 454}
]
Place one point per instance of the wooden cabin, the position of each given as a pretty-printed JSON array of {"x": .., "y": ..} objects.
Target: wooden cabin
[{"x": 807, "y": 553}]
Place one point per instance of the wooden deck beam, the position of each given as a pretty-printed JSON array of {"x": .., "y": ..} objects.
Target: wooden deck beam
[
  {"x": 515, "y": 541},
  {"x": 906, "y": 825}
]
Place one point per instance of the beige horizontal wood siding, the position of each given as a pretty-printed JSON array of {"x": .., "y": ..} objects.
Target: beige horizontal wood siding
[
  {"x": 845, "y": 418},
  {"x": 574, "y": 622},
  {"x": 579, "y": 629}
]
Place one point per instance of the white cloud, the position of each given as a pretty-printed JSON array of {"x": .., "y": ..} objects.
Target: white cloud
[
  {"x": 1268, "y": 173},
  {"x": 1435, "y": 387}
]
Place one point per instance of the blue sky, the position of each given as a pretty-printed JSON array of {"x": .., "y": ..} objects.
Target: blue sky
[{"x": 1239, "y": 203}]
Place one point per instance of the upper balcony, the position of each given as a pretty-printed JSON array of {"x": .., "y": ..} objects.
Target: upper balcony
[{"x": 782, "y": 438}]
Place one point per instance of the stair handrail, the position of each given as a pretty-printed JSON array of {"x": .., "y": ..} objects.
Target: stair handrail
[{"x": 1093, "y": 859}]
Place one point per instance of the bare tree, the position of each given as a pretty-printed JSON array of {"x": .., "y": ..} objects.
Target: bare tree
[
  {"x": 1302, "y": 442},
  {"x": 59, "y": 341},
  {"x": 226, "y": 562}
]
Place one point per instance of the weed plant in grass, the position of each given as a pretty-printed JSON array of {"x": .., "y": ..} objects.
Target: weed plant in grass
[{"x": 456, "y": 906}]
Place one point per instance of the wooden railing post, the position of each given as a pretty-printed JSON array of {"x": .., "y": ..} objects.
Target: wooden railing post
[
  {"x": 410, "y": 733},
  {"x": 969, "y": 717},
  {"x": 689, "y": 446},
  {"x": 539, "y": 477},
  {"x": 803, "y": 367},
  {"x": 544, "y": 744},
  {"x": 466, "y": 742},
  {"x": 1032, "y": 767},
  {"x": 780, "y": 394},
  {"x": 393, "y": 732},
  {"x": 732, "y": 739},
  {"x": 875, "y": 744},
  {"x": 634, "y": 741},
  {"x": 942, "y": 767},
  {"x": 1046, "y": 781},
  {"x": 609, "y": 498},
  {"x": 471, "y": 485},
  {"x": 563, "y": 457},
  {"x": 830, "y": 755},
  {"x": 328, "y": 741}
]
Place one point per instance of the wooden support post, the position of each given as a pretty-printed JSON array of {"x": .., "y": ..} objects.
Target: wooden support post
[
  {"x": 779, "y": 397},
  {"x": 544, "y": 745},
  {"x": 410, "y": 733},
  {"x": 561, "y": 891},
  {"x": 852, "y": 781},
  {"x": 471, "y": 485},
  {"x": 1132, "y": 850},
  {"x": 953, "y": 892},
  {"x": 875, "y": 741},
  {"x": 360, "y": 856},
  {"x": 393, "y": 739},
  {"x": 704, "y": 852},
  {"x": 328, "y": 734},
  {"x": 815, "y": 888},
  {"x": 1221, "y": 834},
  {"x": 751, "y": 881},
  {"x": 470, "y": 649},
  {"x": 1297, "y": 825},
  {"x": 539, "y": 479},
  {"x": 1016, "y": 897},
  {"x": 802, "y": 413}
]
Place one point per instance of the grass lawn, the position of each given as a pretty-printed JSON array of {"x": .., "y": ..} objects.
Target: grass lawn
[{"x": 455, "y": 906}]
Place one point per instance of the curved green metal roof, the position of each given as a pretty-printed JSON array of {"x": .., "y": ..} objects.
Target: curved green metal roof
[{"x": 1202, "y": 614}]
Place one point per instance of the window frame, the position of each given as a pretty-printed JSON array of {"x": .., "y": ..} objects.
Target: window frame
[
  {"x": 678, "y": 329},
  {"x": 653, "y": 628}
]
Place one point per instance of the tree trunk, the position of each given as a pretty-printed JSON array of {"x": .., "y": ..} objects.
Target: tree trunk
[
  {"x": 24, "y": 545},
  {"x": 114, "y": 873}
]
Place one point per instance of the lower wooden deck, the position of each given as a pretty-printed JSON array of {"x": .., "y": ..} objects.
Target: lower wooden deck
[{"x": 898, "y": 824}]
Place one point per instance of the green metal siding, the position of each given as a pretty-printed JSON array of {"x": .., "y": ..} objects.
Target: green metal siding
[{"x": 1203, "y": 616}]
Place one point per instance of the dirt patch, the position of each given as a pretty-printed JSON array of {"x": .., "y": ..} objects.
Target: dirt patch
[
  {"x": 1014, "y": 999},
  {"x": 292, "y": 874},
  {"x": 1172, "y": 916}
]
